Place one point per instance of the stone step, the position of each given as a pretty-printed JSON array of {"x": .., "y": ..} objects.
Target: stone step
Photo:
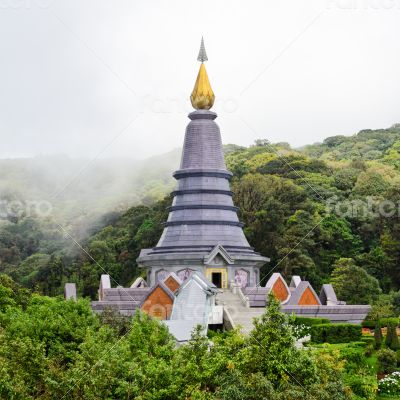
[{"x": 241, "y": 315}]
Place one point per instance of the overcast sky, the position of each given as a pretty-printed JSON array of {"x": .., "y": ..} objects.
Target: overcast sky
[{"x": 113, "y": 78}]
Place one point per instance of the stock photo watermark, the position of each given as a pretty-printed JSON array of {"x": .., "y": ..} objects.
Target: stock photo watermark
[
  {"x": 368, "y": 207},
  {"x": 363, "y": 4},
  {"x": 25, "y": 4},
  {"x": 28, "y": 208},
  {"x": 181, "y": 105}
]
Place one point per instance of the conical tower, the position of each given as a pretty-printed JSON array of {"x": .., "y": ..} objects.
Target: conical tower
[{"x": 203, "y": 232}]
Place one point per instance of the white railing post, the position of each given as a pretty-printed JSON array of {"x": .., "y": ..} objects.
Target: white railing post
[{"x": 245, "y": 300}]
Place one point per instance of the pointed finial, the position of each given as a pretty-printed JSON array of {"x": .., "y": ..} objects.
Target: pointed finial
[
  {"x": 202, "y": 97},
  {"x": 202, "y": 52}
]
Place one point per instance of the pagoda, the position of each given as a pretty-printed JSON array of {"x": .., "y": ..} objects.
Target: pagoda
[{"x": 203, "y": 233}]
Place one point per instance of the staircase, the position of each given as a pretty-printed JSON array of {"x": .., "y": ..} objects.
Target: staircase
[{"x": 240, "y": 316}]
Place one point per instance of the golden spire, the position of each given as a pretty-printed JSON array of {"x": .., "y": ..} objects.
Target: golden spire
[{"x": 202, "y": 97}]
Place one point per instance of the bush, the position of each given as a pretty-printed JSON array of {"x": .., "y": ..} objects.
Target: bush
[
  {"x": 387, "y": 361},
  {"x": 301, "y": 326},
  {"x": 369, "y": 350},
  {"x": 361, "y": 343},
  {"x": 368, "y": 324},
  {"x": 395, "y": 345},
  {"x": 335, "y": 333},
  {"x": 310, "y": 321},
  {"x": 390, "y": 384},
  {"x": 389, "y": 321},
  {"x": 392, "y": 341},
  {"x": 354, "y": 358},
  {"x": 378, "y": 336},
  {"x": 364, "y": 387},
  {"x": 368, "y": 340},
  {"x": 398, "y": 357}
]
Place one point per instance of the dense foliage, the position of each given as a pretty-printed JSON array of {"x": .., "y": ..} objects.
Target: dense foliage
[
  {"x": 322, "y": 212},
  {"x": 54, "y": 349},
  {"x": 335, "y": 333},
  {"x": 328, "y": 212}
]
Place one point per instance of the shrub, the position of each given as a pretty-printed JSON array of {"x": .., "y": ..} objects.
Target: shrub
[
  {"x": 390, "y": 384},
  {"x": 308, "y": 321},
  {"x": 361, "y": 343},
  {"x": 368, "y": 340},
  {"x": 389, "y": 321},
  {"x": 398, "y": 357},
  {"x": 354, "y": 358},
  {"x": 369, "y": 350},
  {"x": 388, "y": 339},
  {"x": 368, "y": 324},
  {"x": 301, "y": 326},
  {"x": 335, "y": 333},
  {"x": 395, "y": 341},
  {"x": 378, "y": 336},
  {"x": 387, "y": 361},
  {"x": 365, "y": 387},
  {"x": 300, "y": 331},
  {"x": 392, "y": 341}
]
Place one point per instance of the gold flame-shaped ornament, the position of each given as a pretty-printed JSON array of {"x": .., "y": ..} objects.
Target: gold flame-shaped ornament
[{"x": 202, "y": 97}]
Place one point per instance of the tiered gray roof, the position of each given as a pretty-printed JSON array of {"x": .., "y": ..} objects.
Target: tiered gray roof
[{"x": 202, "y": 214}]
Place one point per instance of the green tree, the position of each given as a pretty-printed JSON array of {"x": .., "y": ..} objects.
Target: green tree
[
  {"x": 387, "y": 361},
  {"x": 271, "y": 349},
  {"x": 396, "y": 302},
  {"x": 392, "y": 340},
  {"x": 353, "y": 284},
  {"x": 297, "y": 245},
  {"x": 378, "y": 336},
  {"x": 381, "y": 308},
  {"x": 12, "y": 294},
  {"x": 371, "y": 183}
]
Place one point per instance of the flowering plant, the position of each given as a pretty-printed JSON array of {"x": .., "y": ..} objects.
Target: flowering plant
[
  {"x": 301, "y": 331},
  {"x": 390, "y": 384}
]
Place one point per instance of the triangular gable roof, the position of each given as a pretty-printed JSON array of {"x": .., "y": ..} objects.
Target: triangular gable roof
[
  {"x": 208, "y": 285},
  {"x": 139, "y": 282},
  {"x": 328, "y": 294},
  {"x": 218, "y": 250},
  {"x": 200, "y": 280},
  {"x": 298, "y": 293},
  {"x": 176, "y": 278},
  {"x": 271, "y": 282},
  {"x": 295, "y": 281},
  {"x": 160, "y": 285}
]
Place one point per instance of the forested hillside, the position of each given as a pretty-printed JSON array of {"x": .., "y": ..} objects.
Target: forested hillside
[
  {"x": 84, "y": 188},
  {"x": 326, "y": 212}
]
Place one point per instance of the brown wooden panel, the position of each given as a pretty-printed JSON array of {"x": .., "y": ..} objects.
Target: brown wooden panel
[
  {"x": 172, "y": 284},
  {"x": 158, "y": 304},
  {"x": 279, "y": 290},
  {"x": 308, "y": 298}
]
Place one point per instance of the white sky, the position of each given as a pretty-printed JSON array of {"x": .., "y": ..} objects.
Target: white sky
[{"x": 74, "y": 74}]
